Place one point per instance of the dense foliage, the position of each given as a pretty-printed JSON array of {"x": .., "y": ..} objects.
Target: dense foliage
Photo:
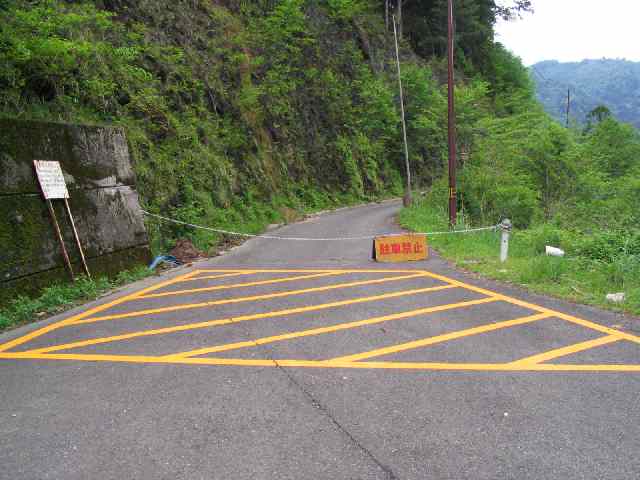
[
  {"x": 238, "y": 110},
  {"x": 234, "y": 112},
  {"x": 577, "y": 189},
  {"x": 611, "y": 83}
]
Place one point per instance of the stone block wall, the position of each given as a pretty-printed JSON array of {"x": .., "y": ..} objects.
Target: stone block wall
[{"x": 97, "y": 167}]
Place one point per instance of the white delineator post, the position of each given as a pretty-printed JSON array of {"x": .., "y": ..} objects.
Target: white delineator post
[{"x": 506, "y": 227}]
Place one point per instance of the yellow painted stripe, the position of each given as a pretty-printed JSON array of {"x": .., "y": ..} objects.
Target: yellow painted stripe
[
  {"x": 92, "y": 311},
  {"x": 538, "y": 308},
  {"x": 227, "y": 321},
  {"x": 315, "y": 270},
  {"x": 487, "y": 367},
  {"x": 482, "y": 367},
  {"x": 561, "y": 352},
  {"x": 600, "y": 328},
  {"x": 240, "y": 285},
  {"x": 331, "y": 328},
  {"x": 440, "y": 338},
  {"x": 222, "y": 275},
  {"x": 267, "y": 296},
  {"x": 125, "y": 358}
]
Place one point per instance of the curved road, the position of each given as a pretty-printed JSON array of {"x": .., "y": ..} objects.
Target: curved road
[{"x": 307, "y": 360}]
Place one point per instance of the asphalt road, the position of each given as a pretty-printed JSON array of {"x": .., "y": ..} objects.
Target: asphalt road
[{"x": 307, "y": 360}]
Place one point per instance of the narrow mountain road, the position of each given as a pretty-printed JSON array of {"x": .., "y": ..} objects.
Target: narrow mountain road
[{"x": 307, "y": 360}]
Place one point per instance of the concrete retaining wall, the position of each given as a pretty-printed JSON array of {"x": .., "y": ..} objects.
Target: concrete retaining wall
[{"x": 101, "y": 183}]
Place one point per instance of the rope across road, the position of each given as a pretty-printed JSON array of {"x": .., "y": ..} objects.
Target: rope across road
[{"x": 308, "y": 239}]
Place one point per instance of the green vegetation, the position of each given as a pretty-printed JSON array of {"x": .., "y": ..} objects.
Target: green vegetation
[
  {"x": 237, "y": 111},
  {"x": 594, "y": 266},
  {"x": 576, "y": 191},
  {"x": 234, "y": 113},
  {"x": 61, "y": 297},
  {"x": 612, "y": 83}
]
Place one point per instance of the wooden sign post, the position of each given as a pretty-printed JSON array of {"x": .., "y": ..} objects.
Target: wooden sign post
[
  {"x": 400, "y": 248},
  {"x": 53, "y": 187}
]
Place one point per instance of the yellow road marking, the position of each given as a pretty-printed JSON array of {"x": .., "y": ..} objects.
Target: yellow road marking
[
  {"x": 239, "y": 285},
  {"x": 440, "y": 338},
  {"x": 228, "y": 321},
  {"x": 600, "y": 328},
  {"x": 127, "y": 358},
  {"x": 315, "y": 270},
  {"x": 538, "y": 308},
  {"x": 252, "y": 298},
  {"x": 491, "y": 367},
  {"x": 495, "y": 367},
  {"x": 578, "y": 321},
  {"x": 98, "y": 309},
  {"x": 330, "y": 329},
  {"x": 222, "y": 275},
  {"x": 520, "y": 365},
  {"x": 561, "y": 352}
]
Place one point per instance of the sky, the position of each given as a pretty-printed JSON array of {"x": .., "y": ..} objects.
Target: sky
[{"x": 574, "y": 30}]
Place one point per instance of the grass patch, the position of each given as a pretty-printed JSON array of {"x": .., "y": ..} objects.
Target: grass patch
[
  {"x": 577, "y": 277},
  {"x": 63, "y": 296}
]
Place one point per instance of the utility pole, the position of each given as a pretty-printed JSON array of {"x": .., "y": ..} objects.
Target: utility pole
[
  {"x": 453, "y": 201},
  {"x": 407, "y": 200},
  {"x": 568, "y": 105}
]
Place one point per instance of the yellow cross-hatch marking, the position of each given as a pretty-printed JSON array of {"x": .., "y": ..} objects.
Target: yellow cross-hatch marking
[
  {"x": 241, "y": 318},
  {"x": 218, "y": 276},
  {"x": 252, "y": 298},
  {"x": 98, "y": 309},
  {"x": 534, "y": 363},
  {"x": 334, "y": 328},
  {"x": 561, "y": 352},
  {"x": 441, "y": 338},
  {"x": 240, "y": 285}
]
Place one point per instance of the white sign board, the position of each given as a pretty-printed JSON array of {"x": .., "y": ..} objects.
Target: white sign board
[{"x": 51, "y": 179}]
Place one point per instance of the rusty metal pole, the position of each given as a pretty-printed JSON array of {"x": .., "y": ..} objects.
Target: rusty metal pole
[{"x": 453, "y": 202}]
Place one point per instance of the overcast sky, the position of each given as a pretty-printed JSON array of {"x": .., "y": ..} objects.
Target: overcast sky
[{"x": 572, "y": 30}]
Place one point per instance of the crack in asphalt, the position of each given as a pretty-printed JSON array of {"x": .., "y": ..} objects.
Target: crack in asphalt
[
  {"x": 319, "y": 406},
  {"x": 323, "y": 409}
]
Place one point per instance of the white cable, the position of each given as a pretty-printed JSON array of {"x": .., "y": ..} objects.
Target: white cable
[{"x": 305, "y": 239}]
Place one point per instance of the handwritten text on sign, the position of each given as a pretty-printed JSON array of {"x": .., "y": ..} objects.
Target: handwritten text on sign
[
  {"x": 51, "y": 179},
  {"x": 401, "y": 248}
]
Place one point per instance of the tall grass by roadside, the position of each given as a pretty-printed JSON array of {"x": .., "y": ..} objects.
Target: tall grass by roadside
[
  {"x": 63, "y": 296},
  {"x": 595, "y": 264}
]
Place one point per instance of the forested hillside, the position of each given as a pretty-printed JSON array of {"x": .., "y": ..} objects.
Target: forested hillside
[
  {"x": 614, "y": 84},
  {"x": 236, "y": 110}
]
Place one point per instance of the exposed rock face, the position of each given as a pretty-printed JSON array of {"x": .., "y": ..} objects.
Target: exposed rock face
[{"x": 101, "y": 183}]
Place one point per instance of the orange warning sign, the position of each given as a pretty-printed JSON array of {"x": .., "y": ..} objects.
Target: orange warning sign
[{"x": 400, "y": 248}]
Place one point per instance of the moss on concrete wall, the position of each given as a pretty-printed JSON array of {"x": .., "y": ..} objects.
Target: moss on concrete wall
[{"x": 97, "y": 168}]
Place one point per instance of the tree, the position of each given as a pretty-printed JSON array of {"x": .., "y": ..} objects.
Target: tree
[
  {"x": 425, "y": 23},
  {"x": 598, "y": 114}
]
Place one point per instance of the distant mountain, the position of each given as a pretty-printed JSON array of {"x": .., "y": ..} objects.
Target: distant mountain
[{"x": 613, "y": 83}]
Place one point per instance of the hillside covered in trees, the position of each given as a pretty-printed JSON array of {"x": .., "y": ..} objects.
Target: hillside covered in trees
[
  {"x": 614, "y": 84},
  {"x": 238, "y": 111}
]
